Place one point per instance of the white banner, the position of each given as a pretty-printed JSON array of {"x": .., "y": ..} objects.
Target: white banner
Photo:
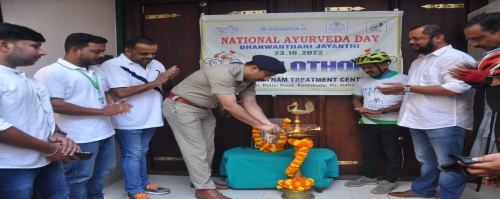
[{"x": 316, "y": 47}]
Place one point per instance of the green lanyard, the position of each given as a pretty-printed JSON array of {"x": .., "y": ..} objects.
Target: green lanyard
[{"x": 94, "y": 83}]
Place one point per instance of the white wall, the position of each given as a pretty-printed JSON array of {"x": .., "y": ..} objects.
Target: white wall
[{"x": 56, "y": 19}]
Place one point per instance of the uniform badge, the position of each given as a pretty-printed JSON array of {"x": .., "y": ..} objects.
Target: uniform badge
[{"x": 234, "y": 71}]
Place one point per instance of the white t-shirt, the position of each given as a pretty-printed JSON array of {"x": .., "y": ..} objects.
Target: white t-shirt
[
  {"x": 374, "y": 100},
  {"x": 25, "y": 105},
  {"x": 64, "y": 81},
  {"x": 421, "y": 111},
  {"x": 146, "y": 112}
]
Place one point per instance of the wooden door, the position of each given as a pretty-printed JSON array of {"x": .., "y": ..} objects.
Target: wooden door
[
  {"x": 174, "y": 26},
  {"x": 179, "y": 44}
]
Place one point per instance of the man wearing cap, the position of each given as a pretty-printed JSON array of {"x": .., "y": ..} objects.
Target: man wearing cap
[{"x": 188, "y": 112}]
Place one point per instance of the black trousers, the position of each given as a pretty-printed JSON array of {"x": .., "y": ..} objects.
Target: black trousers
[{"x": 377, "y": 137}]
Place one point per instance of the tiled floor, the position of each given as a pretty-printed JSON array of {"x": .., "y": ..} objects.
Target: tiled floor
[{"x": 181, "y": 190}]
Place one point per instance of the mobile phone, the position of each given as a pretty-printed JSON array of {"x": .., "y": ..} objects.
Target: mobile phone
[
  {"x": 84, "y": 155},
  {"x": 463, "y": 159}
]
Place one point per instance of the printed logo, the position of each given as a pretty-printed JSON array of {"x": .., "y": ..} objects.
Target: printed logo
[
  {"x": 223, "y": 58},
  {"x": 336, "y": 26},
  {"x": 230, "y": 29},
  {"x": 375, "y": 103},
  {"x": 285, "y": 28},
  {"x": 376, "y": 26}
]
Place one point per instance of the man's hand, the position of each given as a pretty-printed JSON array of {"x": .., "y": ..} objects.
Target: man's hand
[
  {"x": 493, "y": 181},
  {"x": 467, "y": 75},
  {"x": 173, "y": 71},
  {"x": 117, "y": 108},
  {"x": 495, "y": 81},
  {"x": 271, "y": 128},
  {"x": 489, "y": 165},
  {"x": 368, "y": 112},
  {"x": 169, "y": 74},
  {"x": 392, "y": 88},
  {"x": 66, "y": 149}
]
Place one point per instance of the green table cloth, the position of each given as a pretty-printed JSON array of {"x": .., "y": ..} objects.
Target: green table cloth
[{"x": 247, "y": 168}]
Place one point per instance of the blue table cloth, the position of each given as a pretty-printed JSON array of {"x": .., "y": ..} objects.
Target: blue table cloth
[{"x": 247, "y": 168}]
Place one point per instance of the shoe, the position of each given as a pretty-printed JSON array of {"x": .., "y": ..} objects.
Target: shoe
[
  {"x": 384, "y": 187},
  {"x": 137, "y": 196},
  {"x": 361, "y": 181},
  {"x": 209, "y": 194},
  {"x": 405, "y": 194},
  {"x": 156, "y": 190},
  {"x": 218, "y": 186}
]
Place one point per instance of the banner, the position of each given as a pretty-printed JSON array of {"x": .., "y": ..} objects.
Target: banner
[{"x": 316, "y": 47}]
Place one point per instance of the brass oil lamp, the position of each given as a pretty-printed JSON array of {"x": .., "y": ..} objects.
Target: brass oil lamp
[{"x": 299, "y": 133}]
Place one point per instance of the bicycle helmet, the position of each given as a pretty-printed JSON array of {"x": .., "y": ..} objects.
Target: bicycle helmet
[
  {"x": 373, "y": 58},
  {"x": 490, "y": 64}
]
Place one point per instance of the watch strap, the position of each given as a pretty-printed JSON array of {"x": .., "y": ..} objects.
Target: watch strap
[{"x": 407, "y": 88}]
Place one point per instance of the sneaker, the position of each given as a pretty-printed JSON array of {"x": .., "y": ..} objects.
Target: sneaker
[
  {"x": 156, "y": 190},
  {"x": 137, "y": 196},
  {"x": 406, "y": 194},
  {"x": 384, "y": 187},
  {"x": 361, "y": 181}
]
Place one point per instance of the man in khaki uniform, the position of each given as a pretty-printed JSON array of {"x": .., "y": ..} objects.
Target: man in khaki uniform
[{"x": 187, "y": 110}]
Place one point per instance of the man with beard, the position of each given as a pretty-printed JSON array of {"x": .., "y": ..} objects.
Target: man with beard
[
  {"x": 438, "y": 110},
  {"x": 135, "y": 75},
  {"x": 188, "y": 111},
  {"x": 31, "y": 144},
  {"x": 377, "y": 126},
  {"x": 80, "y": 98}
]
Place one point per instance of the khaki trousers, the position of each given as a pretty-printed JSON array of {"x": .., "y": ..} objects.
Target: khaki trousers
[{"x": 194, "y": 130}]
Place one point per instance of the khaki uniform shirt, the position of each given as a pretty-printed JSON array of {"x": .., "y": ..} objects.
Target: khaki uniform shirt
[{"x": 202, "y": 86}]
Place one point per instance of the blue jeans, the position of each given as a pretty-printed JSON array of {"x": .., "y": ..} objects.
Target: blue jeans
[
  {"x": 85, "y": 178},
  {"x": 432, "y": 147},
  {"x": 46, "y": 182},
  {"x": 134, "y": 144}
]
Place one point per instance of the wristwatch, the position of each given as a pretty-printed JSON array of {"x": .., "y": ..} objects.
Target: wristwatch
[
  {"x": 382, "y": 110},
  {"x": 407, "y": 88}
]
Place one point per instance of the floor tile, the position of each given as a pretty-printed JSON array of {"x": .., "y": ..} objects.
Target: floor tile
[{"x": 179, "y": 185}]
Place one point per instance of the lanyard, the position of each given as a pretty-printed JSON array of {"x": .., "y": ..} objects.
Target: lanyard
[{"x": 95, "y": 83}]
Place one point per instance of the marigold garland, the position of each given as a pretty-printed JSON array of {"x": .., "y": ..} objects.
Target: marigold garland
[
  {"x": 303, "y": 146},
  {"x": 267, "y": 147},
  {"x": 298, "y": 183}
]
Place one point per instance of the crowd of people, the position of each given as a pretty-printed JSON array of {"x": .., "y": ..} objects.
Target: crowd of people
[{"x": 73, "y": 106}]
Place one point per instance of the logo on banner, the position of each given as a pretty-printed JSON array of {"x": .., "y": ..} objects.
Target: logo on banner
[
  {"x": 336, "y": 26},
  {"x": 285, "y": 28},
  {"x": 230, "y": 29},
  {"x": 223, "y": 57},
  {"x": 376, "y": 26}
]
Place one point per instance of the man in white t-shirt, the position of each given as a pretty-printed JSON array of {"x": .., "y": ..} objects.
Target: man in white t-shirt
[
  {"x": 80, "y": 98},
  {"x": 31, "y": 144},
  {"x": 377, "y": 125},
  {"x": 135, "y": 75}
]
